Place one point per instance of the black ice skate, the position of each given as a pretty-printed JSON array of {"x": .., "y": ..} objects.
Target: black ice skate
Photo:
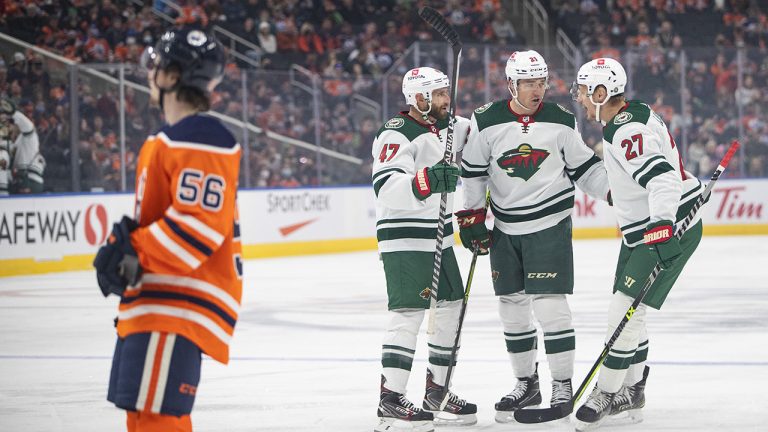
[
  {"x": 457, "y": 411},
  {"x": 631, "y": 399},
  {"x": 526, "y": 393},
  {"x": 562, "y": 392},
  {"x": 594, "y": 410},
  {"x": 396, "y": 413}
]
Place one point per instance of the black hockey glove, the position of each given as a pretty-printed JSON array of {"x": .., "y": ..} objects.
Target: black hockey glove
[
  {"x": 472, "y": 230},
  {"x": 116, "y": 263},
  {"x": 438, "y": 178},
  {"x": 660, "y": 238}
]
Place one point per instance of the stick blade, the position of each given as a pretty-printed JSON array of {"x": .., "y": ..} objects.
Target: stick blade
[
  {"x": 543, "y": 415},
  {"x": 438, "y": 22}
]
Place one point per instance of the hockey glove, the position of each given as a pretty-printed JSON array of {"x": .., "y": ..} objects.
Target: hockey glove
[
  {"x": 472, "y": 230},
  {"x": 116, "y": 263},
  {"x": 439, "y": 178},
  {"x": 661, "y": 240}
]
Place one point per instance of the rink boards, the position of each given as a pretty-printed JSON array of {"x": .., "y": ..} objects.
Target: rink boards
[{"x": 40, "y": 234}]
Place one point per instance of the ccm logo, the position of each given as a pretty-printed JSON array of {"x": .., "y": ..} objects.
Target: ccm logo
[{"x": 542, "y": 275}]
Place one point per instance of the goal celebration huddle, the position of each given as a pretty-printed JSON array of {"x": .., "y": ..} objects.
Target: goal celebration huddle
[{"x": 521, "y": 157}]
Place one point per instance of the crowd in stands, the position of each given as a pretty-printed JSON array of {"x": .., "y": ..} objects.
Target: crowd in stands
[
  {"x": 349, "y": 45},
  {"x": 703, "y": 89}
]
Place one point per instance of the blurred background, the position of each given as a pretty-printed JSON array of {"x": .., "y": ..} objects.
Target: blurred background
[{"x": 309, "y": 82}]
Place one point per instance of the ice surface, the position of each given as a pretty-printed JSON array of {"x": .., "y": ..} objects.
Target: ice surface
[{"x": 306, "y": 352}]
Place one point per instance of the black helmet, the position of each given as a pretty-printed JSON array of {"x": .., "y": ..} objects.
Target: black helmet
[{"x": 198, "y": 55}]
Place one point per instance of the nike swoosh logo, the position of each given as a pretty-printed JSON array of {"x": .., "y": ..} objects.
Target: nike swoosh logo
[{"x": 289, "y": 229}]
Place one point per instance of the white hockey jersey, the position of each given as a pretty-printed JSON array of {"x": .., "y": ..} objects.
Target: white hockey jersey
[
  {"x": 648, "y": 182},
  {"x": 530, "y": 164},
  {"x": 401, "y": 147},
  {"x": 26, "y": 149}
]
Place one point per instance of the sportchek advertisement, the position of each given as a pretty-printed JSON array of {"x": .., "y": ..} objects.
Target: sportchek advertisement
[{"x": 37, "y": 232}]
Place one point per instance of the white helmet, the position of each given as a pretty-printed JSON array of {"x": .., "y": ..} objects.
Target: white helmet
[
  {"x": 605, "y": 72},
  {"x": 423, "y": 80},
  {"x": 525, "y": 65}
]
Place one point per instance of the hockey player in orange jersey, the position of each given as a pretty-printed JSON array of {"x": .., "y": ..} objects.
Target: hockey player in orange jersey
[{"x": 177, "y": 264}]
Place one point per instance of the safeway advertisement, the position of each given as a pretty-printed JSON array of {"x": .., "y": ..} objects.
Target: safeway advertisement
[
  {"x": 52, "y": 227},
  {"x": 49, "y": 228}
]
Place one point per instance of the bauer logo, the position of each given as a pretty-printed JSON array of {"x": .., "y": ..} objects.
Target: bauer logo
[{"x": 95, "y": 224}]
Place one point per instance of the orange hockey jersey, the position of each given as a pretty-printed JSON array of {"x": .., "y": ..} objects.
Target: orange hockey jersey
[{"x": 188, "y": 240}]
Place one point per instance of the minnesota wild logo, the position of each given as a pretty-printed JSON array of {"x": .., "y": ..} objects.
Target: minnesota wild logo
[
  {"x": 425, "y": 293},
  {"x": 522, "y": 162}
]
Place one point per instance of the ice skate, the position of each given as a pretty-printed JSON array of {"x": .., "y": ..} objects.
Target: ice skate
[
  {"x": 562, "y": 392},
  {"x": 594, "y": 411},
  {"x": 457, "y": 411},
  {"x": 525, "y": 394},
  {"x": 398, "y": 414},
  {"x": 629, "y": 401}
]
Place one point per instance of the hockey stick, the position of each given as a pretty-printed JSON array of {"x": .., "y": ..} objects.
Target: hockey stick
[
  {"x": 434, "y": 19},
  {"x": 542, "y": 415},
  {"x": 455, "y": 347}
]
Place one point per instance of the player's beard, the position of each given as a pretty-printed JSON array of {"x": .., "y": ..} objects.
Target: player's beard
[{"x": 438, "y": 113}]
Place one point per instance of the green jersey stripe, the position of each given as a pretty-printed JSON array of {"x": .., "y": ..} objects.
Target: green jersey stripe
[
  {"x": 412, "y": 220},
  {"x": 547, "y": 211},
  {"x": 388, "y": 170},
  {"x": 465, "y": 163},
  {"x": 659, "y": 169},
  {"x": 379, "y": 184},
  {"x": 384, "y": 234},
  {"x": 583, "y": 168},
  {"x": 645, "y": 166},
  {"x": 473, "y": 174},
  {"x": 634, "y": 224},
  {"x": 540, "y": 203}
]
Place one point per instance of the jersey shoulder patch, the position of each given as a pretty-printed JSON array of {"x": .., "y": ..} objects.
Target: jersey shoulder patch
[
  {"x": 484, "y": 108},
  {"x": 636, "y": 112},
  {"x": 555, "y": 113},
  {"x": 493, "y": 113},
  {"x": 403, "y": 125}
]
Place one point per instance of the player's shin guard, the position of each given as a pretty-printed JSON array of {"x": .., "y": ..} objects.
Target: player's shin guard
[
  {"x": 554, "y": 315},
  {"x": 457, "y": 411},
  {"x": 399, "y": 347},
  {"x": 519, "y": 332},
  {"x": 623, "y": 351}
]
